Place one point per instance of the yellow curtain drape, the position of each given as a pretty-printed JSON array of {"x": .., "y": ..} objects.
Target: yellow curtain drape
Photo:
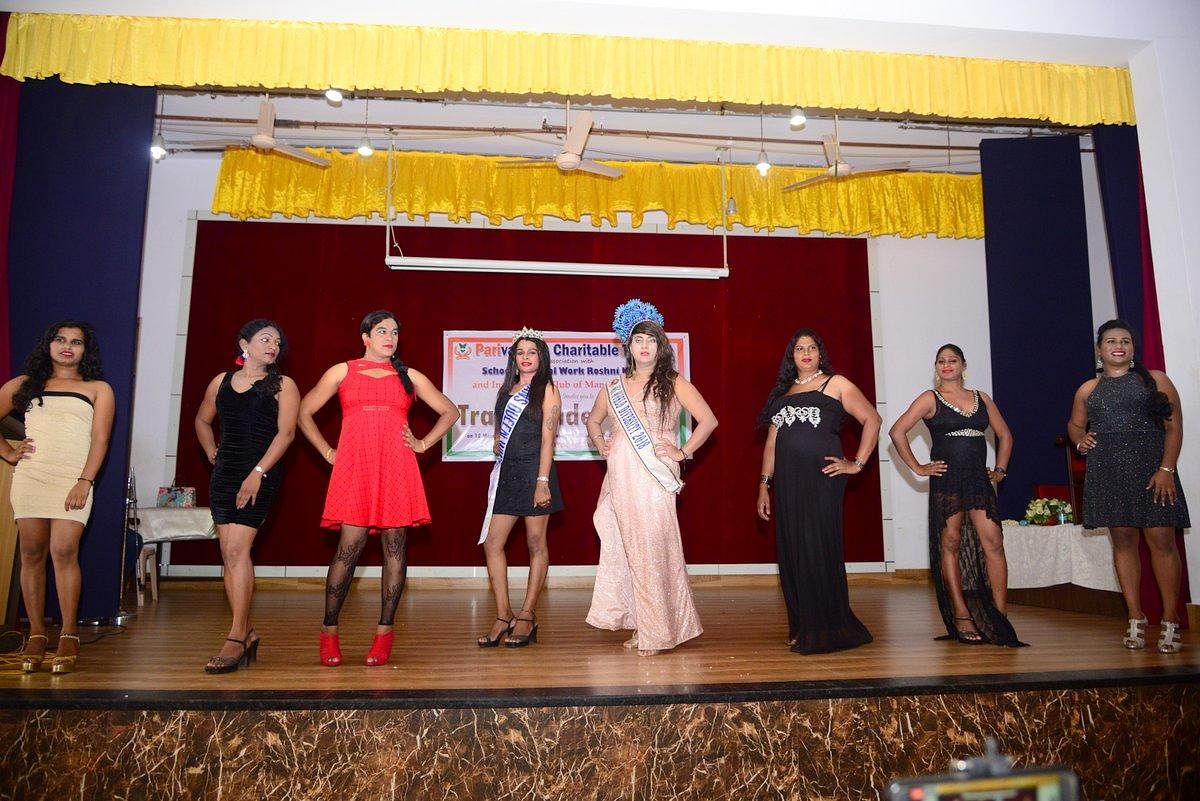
[
  {"x": 258, "y": 185},
  {"x": 168, "y": 51}
]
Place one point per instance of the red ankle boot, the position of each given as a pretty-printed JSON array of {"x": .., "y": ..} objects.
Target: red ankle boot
[
  {"x": 331, "y": 652},
  {"x": 381, "y": 649}
]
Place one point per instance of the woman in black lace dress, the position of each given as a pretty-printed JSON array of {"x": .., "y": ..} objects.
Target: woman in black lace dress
[
  {"x": 1128, "y": 423},
  {"x": 526, "y": 484},
  {"x": 803, "y": 459},
  {"x": 257, "y": 407},
  {"x": 966, "y": 545}
]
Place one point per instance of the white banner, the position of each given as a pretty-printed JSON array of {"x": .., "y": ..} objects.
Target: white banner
[{"x": 583, "y": 362}]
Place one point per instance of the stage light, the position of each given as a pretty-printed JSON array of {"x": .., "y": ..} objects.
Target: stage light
[
  {"x": 158, "y": 147},
  {"x": 798, "y": 119},
  {"x": 333, "y": 95},
  {"x": 731, "y": 206},
  {"x": 552, "y": 268},
  {"x": 364, "y": 147},
  {"x": 763, "y": 166}
]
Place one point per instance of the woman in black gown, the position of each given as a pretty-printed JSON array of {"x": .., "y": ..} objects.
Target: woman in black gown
[
  {"x": 1129, "y": 424},
  {"x": 803, "y": 458},
  {"x": 527, "y": 486},
  {"x": 258, "y": 408},
  {"x": 966, "y": 545}
]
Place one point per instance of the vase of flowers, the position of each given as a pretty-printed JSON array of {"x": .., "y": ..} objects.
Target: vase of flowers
[{"x": 1049, "y": 512}]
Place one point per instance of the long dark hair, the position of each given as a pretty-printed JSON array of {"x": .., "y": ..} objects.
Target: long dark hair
[
  {"x": 375, "y": 318},
  {"x": 788, "y": 373},
  {"x": 1159, "y": 405},
  {"x": 537, "y": 386},
  {"x": 662, "y": 378},
  {"x": 268, "y": 387},
  {"x": 39, "y": 367}
]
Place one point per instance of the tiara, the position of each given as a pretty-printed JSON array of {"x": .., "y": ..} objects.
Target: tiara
[
  {"x": 528, "y": 333},
  {"x": 632, "y": 312}
]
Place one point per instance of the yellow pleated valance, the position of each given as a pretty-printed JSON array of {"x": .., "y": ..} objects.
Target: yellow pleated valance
[
  {"x": 254, "y": 185},
  {"x": 166, "y": 51}
]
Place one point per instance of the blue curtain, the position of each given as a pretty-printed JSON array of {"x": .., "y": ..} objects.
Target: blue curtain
[
  {"x": 1039, "y": 300},
  {"x": 75, "y": 250},
  {"x": 1119, "y": 172}
]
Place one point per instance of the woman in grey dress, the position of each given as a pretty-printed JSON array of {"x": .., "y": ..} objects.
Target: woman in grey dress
[{"x": 1128, "y": 423}]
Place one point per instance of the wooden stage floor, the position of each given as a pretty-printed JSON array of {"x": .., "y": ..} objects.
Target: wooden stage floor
[{"x": 742, "y": 651}]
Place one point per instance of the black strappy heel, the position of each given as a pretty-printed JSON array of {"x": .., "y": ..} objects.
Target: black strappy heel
[
  {"x": 521, "y": 640},
  {"x": 489, "y": 642}
]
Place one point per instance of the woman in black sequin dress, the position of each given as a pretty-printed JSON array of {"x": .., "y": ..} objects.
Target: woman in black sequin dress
[
  {"x": 258, "y": 409},
  {"x": 527, "y": 486},
  {"x": 966, "y": 544},
  {"x": 1128, "y": 423},
  {"x": 803, "y": 459}
]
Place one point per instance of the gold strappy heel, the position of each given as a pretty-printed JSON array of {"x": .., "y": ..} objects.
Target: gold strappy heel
[
  {"x": 32, "y": 663},
  {"x": 66, "y": 663}
]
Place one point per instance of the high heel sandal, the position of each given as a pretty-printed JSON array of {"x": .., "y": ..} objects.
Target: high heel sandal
[
  {"x": 1168, "y": 641},
  {"x": 487, "y": 641},
  {"x": 228, "y": 664},
  {"x": 66, "y": 662},
  {"x": 381, "y": 649},
  {"x": 1135, "y": 636},
  {"x": 32, "y": 663},
  {"x": 521, "y": 640},
  {"x": 967, "y": 637},
  {"x": 331, "y": 651}
]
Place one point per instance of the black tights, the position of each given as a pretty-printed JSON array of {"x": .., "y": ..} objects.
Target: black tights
[{"x": 341, "y": 572}]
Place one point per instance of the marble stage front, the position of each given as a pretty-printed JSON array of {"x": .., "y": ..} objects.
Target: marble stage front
[{"x": 733, "y": 714}]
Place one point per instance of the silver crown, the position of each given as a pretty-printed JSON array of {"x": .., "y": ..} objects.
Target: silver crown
[{"x": 528, "y": 333}]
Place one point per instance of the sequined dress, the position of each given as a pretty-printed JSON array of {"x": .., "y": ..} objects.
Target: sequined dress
[
  {"x": 808, "y": 524},
  {"x": 375, "y": 481},
  {"x": 641, "y": 581},
  {"x": 1129, "y": 450},
  {"x": 519, "y": 471},
  {"x": 959, "y": 441}
]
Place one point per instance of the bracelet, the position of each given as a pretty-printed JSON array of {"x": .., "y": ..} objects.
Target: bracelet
[
  {"x": 857, "y": 462},
  {"x": 327, "y": 454},
  {"x": 424, "y": 447},
  {"x": 686, "y": 455},
  {"x": 258, "y": 468},
  {"x": 765, "y": 479},
  {"x": 1166, "y": 469},
  {"x": 88, "y": 480},
  {"x": 1000, "y": 470},
  {"x": 543, "y": 478}
]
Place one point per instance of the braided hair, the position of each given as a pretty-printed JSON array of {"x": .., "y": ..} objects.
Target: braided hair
[
  {"x": 268, "y": 387},
  {"x": 1158, "y": 405},
  {"x": 788, "y": 373},
  {"x": 375, "y": 318},
  {"x": 39, "y": 366}
]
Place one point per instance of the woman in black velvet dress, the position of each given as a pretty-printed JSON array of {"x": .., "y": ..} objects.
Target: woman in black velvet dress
[
  {"x": 966, "y": 545},
  {"x": 803, "y": 459},
  {"x": 527, "y": 486},
  {"x": 258, "y": 409}
]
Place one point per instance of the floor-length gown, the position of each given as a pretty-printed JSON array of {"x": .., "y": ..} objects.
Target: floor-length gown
[
  {"x": 808, "y": 524},
  {"x": 641, "y": 581},
  {"x": 958, "y": 440}
]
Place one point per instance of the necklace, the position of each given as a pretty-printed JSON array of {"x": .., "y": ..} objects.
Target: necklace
[{"x": 802, "y": 381}]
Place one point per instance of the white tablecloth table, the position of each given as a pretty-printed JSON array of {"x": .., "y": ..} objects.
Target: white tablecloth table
[
  {"x": 167, "y": 524},
  {"x": 1043, "y": 556}
]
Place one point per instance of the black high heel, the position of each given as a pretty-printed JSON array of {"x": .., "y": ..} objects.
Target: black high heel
[
  {"x": 489, "y": 642},
  {"x": 521, "y": 640},
  {"x": 228, "y": 664},
  {"x": 967, "y": 637}
]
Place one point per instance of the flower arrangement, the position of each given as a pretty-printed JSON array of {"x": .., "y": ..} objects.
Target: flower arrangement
[{"x": 1049, "y": 512}]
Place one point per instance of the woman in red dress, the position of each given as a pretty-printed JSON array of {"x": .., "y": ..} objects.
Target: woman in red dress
[{"x": 376, "y": 485}]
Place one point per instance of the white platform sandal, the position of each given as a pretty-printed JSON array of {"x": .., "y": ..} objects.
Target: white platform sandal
[
  {"x": 1135, "y": 637},
  {"x": 1168, "y": 641}
]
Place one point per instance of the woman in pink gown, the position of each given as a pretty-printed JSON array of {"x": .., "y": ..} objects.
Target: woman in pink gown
[{"x": 641, "y": 581}]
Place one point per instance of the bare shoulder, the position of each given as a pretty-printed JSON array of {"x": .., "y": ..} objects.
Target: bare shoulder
[
  {"x": 13, "y": 384},
  {"x": 1087, "y": 388},
  {"x": 417, "y": 376}
]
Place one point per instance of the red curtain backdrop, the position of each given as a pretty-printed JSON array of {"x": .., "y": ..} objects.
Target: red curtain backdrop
[
  {"x": 319, "y": 280},
  {"x": 10, "y": 100}
]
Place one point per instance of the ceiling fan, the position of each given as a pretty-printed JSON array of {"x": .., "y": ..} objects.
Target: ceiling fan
[
  {"x": 263, "y": 138},
  {"x": 837, "y": 168},
  {"x": 570, "y": 158}
]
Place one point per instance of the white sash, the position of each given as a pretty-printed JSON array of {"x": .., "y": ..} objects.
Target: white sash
[
  {"x": 639, "y": 438},
  {"x": 508, "y": 421}
]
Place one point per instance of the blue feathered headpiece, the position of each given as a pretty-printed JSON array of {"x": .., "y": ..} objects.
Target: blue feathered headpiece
[{"x": 632, "y": 312}]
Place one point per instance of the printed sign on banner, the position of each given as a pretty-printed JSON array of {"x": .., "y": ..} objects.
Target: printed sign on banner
[{"x": 583, "y": 362}]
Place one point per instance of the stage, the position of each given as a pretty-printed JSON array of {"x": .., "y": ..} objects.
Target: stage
[{"x": 733, "y": 714}]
